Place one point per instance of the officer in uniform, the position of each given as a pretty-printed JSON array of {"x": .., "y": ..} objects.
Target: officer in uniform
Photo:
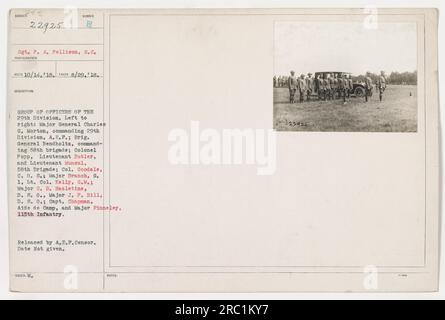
[
  {"x": 368, "y": 86},
  {"x": 310, "y": 85},
  {"x": 381, "y": 84},
  {"x": 334, "y": 86},
  {"x": 342, "y": 87},
  {"x": 331, "y": 86},
  {"x": 320, "y": 87},
  {"x": 327, "y": 87},
  {"x": 350, "y": 85},
  {"x": 302, "y": 87},
  {"x": 292, "y": 84}
]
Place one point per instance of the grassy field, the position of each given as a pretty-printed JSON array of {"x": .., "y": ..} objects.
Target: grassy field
[{"x": 397, "y": 112}]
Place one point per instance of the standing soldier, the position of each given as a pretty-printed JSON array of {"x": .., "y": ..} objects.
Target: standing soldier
[
  {"x": 302, "y": 87},
  {"x": 368, "y": 86},
  {"x": 342, "y": 85},
  {"x": 350, "y": 86},
  {"x": 274, "y": 81},
  {"x": 327, "y": 87},
  {"x": 331, "y": 85},
  {"x": 310, "y": 85},
  {"x": 292, "y": 84},
  {"x": 334, "y": 86},
  {"x": 320, "y": 87},
  {"x": 381, "y": 83}
]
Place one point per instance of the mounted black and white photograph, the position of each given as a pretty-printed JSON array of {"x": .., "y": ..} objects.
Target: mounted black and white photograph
[{"x": 345, "y": 76}]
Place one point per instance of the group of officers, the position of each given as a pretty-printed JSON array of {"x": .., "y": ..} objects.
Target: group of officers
[{"x": 330, "y": 86}]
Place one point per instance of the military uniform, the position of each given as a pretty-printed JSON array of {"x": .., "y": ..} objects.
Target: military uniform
[
  {"x": 342, "y": 83},
  {"x": 301, "y": 87},
  {"x": 327, "y": 88},
  {"x": 310, "y": 86},
  {"x": 331, "y": 88},
  {"x": 381, "y": 84},
  {"x": 320, "y": 88},
  {"x": 368, "y": 87},
  {"x": 293, "y": 85},
  {"x": 350, "y": 86},
  {"x": 334, "y": 87}
]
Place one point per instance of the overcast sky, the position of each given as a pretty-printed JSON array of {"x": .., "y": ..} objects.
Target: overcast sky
[{"x": 344, "y": 46}]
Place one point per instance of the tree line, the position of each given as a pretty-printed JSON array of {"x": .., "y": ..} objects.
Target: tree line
[{"x": 394, "y": 78}]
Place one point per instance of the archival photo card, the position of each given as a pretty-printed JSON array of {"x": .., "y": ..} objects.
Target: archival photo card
[{"x": 157, "y": 150}]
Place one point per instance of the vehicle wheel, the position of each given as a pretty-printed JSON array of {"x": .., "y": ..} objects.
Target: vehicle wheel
[{"x": 359, "y": 92}]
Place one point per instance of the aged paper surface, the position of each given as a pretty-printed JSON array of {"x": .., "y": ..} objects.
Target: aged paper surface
[{"x": 223, "y": 150}]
